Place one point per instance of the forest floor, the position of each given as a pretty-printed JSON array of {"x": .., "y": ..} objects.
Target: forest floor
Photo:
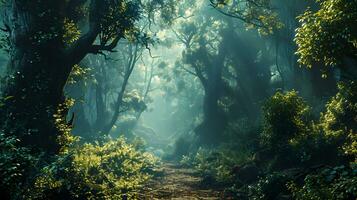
[{"x": 177, "y": 183}]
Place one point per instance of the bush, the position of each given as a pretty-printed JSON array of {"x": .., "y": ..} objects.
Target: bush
[
  {"x": 216, "y": 166},
  {"x": 328, "y": 184},
  {"x": 16, "y": 164},
  {"x": 109, "y": 171},
  {"x": 270, "y": 187},
  {"x": 338, "y": 126},
  {"x": 333, "y": 139},
  {"x": 181, "y": 147},
  {"x": 286, "y": 116},
  {"x": 240, "y": 134},
  {"x": 339, "y": 122}
]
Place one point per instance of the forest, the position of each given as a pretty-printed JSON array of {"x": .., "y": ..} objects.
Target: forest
[{"x": 188, "y": 99}]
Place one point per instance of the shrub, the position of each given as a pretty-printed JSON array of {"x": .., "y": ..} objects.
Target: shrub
[
  {"x": 338, "y": 126},
  {"x": 339, "y": 122},
  {"x": 109, "y": 171},
  {"x": 16, "y": 163},
  {"x": 334, "y": 136},
  {"x": 181, "y": 147},
  {"x": 216, "y": 166},
  {"x": 329, "y": 184},
  {"x": 286, "y": 116},
  {"x": 241, "y": 134},
  {"x": 269, "y": 187}
]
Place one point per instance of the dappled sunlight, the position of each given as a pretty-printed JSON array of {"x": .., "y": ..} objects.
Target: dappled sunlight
[{"x": 167, "y": 99}]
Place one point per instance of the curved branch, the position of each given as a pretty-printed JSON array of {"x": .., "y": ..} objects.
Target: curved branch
[{"x": 95, "y": 49}]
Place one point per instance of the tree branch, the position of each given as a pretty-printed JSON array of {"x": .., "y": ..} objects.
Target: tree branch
[
  {"x": 95, "y": 49},
  {"x": 189, "y": 71},
  {"x": 81, "y": 47}
]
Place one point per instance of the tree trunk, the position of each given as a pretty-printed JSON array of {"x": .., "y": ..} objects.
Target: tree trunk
[
  {"x": 101, "y": 108},
  {"x": 36, "y": 75},
  {"x": 214, "y": 122},
  {"x": 118, "y": 104}
]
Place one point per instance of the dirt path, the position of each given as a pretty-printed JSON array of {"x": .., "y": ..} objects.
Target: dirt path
[{"x": 178, "y": 184}]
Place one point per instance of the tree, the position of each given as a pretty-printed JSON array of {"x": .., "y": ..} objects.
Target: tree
[
  {"x": 104, "y": 96},
  {"x": 308, "y": 82},
  {"x": 46, "y": 41},
  {"x": 226, "y": 65},
  {"x": 258, "y": 14},
  {"x": 329, "y": 36},
  {"x": 206, "y": 60}
]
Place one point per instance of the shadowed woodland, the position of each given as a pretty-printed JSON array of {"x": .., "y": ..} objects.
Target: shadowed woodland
[{"x": 189, "y": 99}]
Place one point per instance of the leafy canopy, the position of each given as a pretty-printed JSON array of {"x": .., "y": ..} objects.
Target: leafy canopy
[{"x": 329, "y": 34}]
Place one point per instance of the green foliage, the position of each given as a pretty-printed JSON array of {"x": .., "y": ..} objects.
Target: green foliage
[
  {"x": 119, "y": 19},
  {"x": 339, "y": 122},
  {"x": 216, "y": 165},
  {"x": 65, "y": 138},
  {"x": 285, "y": 119},
  {"x": 334, "y": 134},
  {"x": 80, "y": 73},
  {"x": 163, "y": 10},
  {"x": 350, "y": 147},
  {"x": 328, "y": 184},
  {"x": 71, "y": 31},
  {"x": 109, "y": 171},
  {"x": 255, "y": 13},
  {"x": 287, "y": 129},
  {"x": 138, "y": 143},
  {"x": 182, "y": 146},
  {"x": 132, "y": 100},
  {"x": 16, "y": 163},
  {"x": 329, "y": 34},
  {"x": 242, "y": 135},
  {"x": 269, "y": 187}
]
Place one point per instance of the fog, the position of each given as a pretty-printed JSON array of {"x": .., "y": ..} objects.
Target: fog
[{"x": 166, "y": 99}]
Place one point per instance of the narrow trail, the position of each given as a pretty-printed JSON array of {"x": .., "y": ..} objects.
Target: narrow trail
[{"x": 178, "y": 183}]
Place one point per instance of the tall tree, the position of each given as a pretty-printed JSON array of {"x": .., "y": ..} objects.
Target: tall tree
[
  {"x": 226, "y": 66},
  {"x": 46, "y": 42}
]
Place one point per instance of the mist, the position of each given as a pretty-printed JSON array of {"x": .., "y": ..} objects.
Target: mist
[{"x": 148, "y": 99}]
